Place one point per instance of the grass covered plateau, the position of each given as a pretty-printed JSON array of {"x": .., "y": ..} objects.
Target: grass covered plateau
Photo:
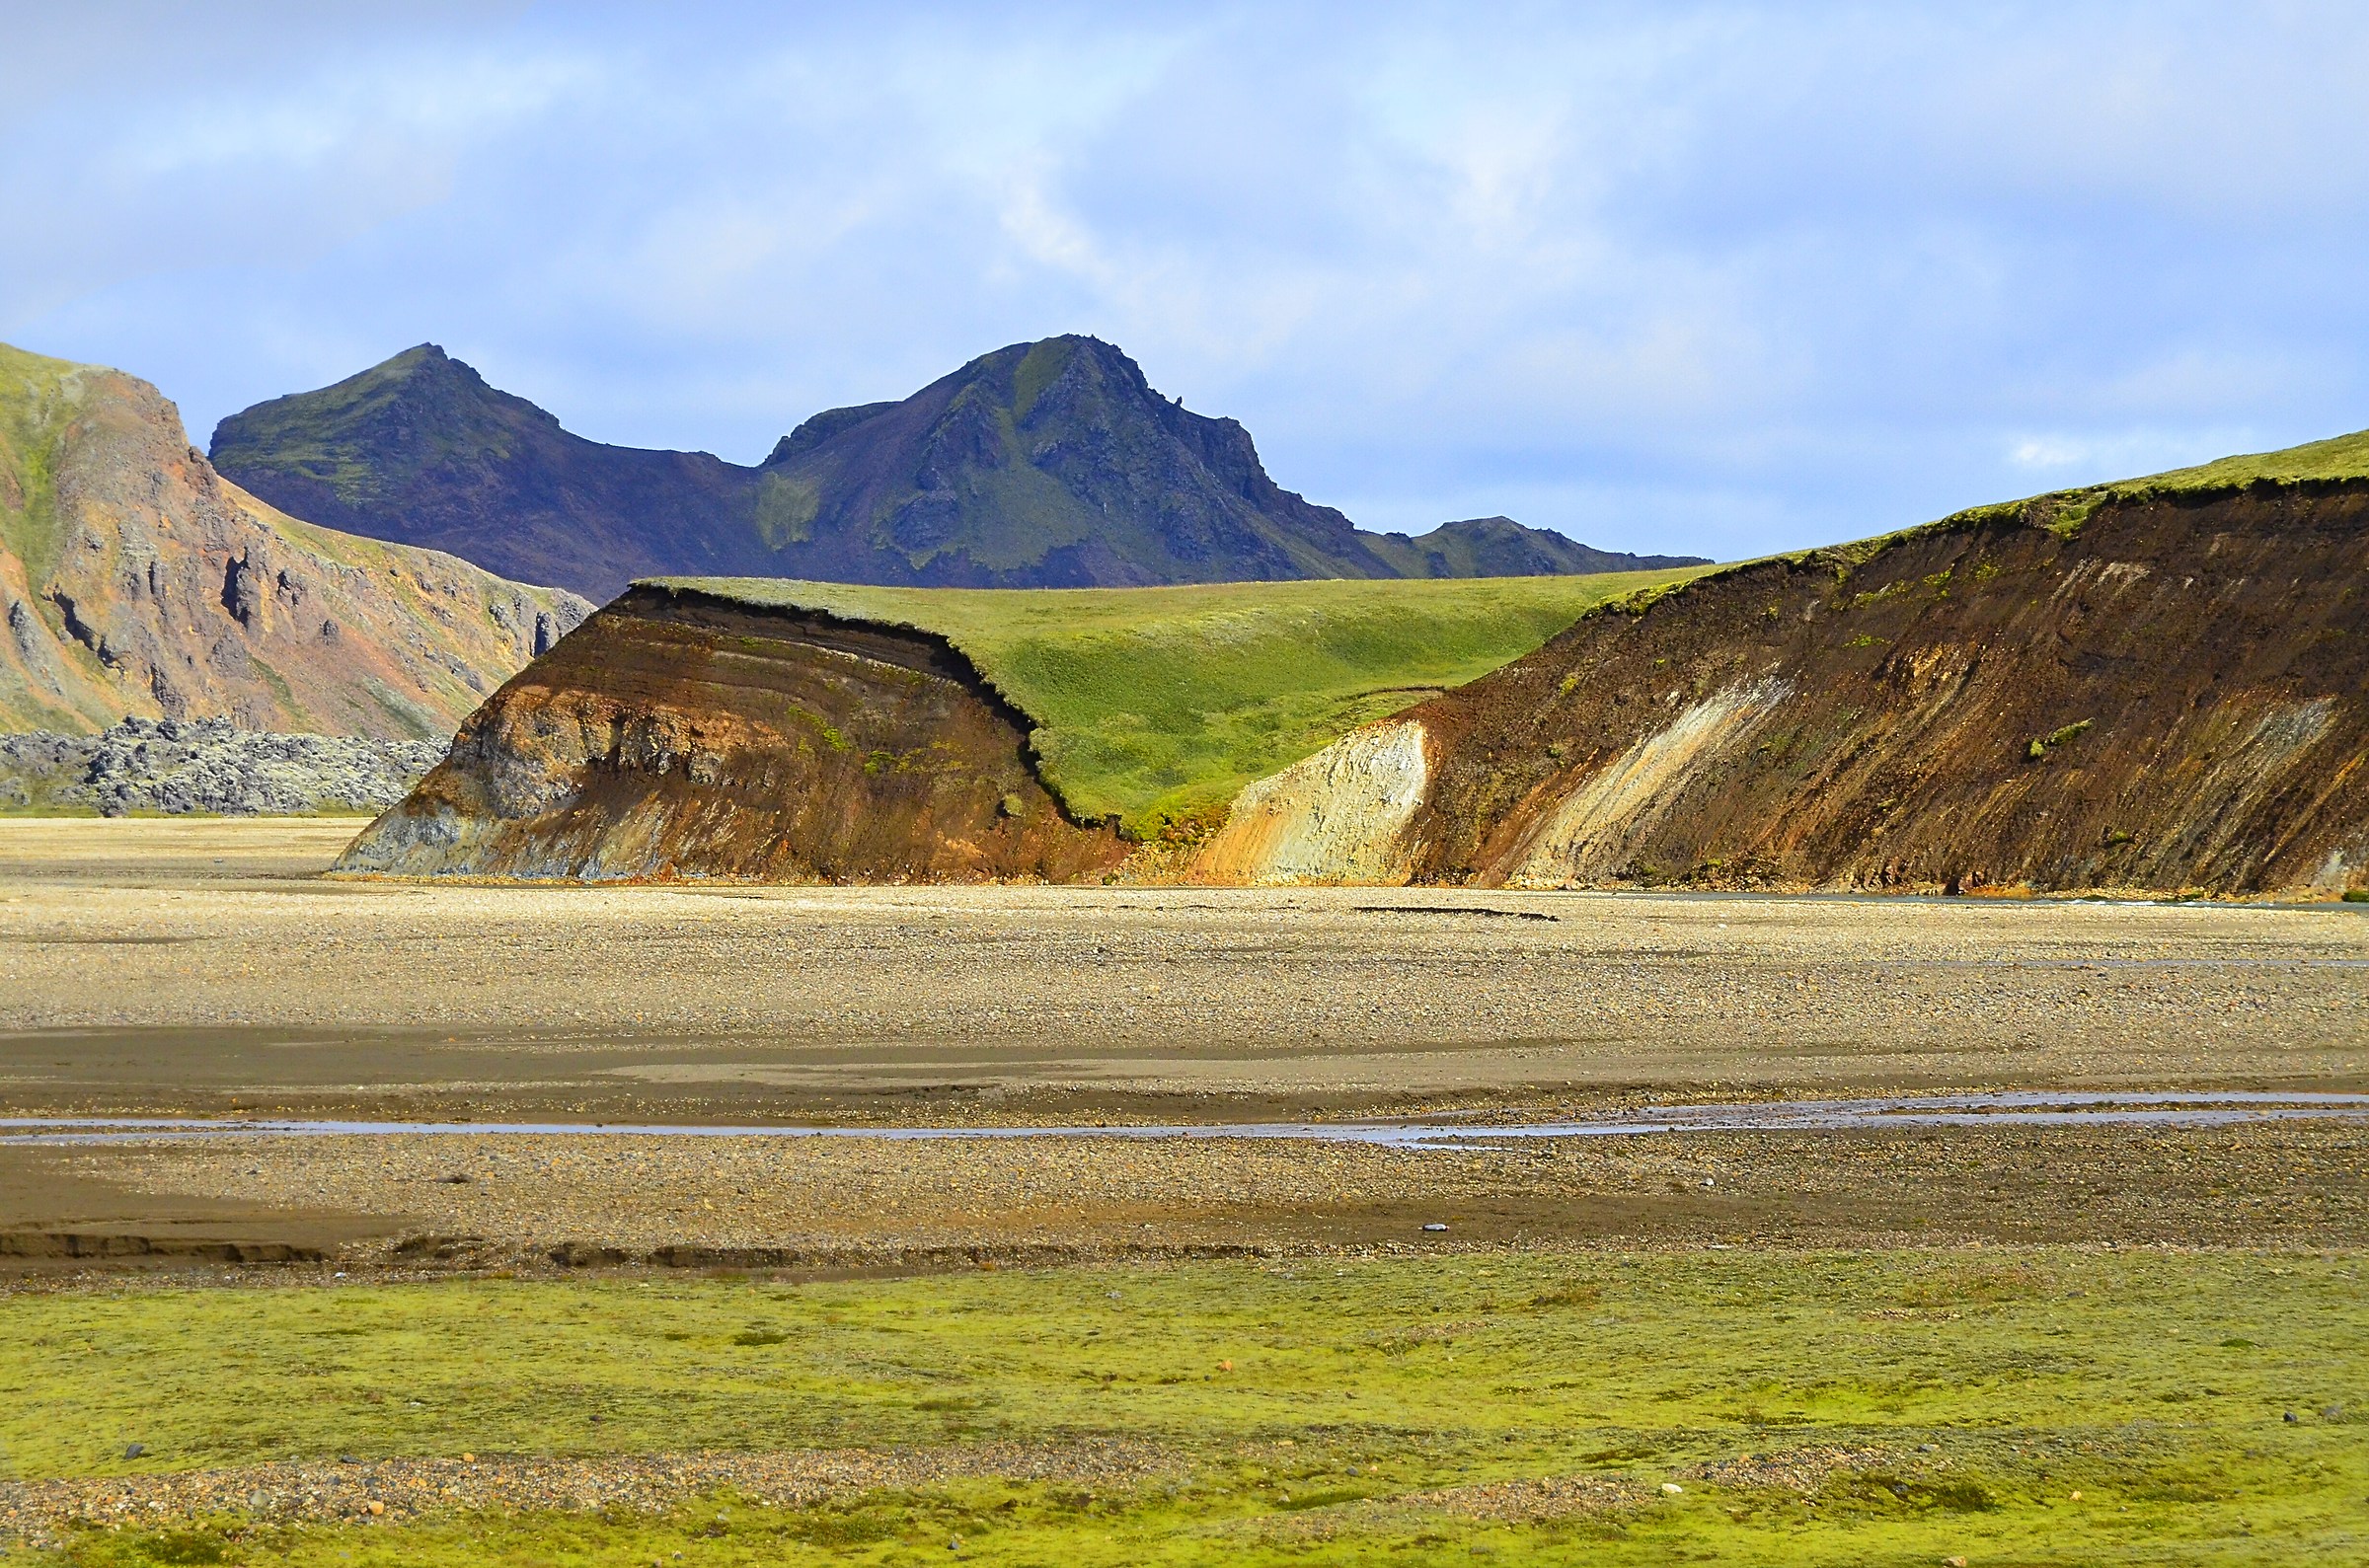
[
  {"x": 2332, "y": 461},
  {"x": 2023, "y": 1407},
  {"x": 1156, "y": 705}
]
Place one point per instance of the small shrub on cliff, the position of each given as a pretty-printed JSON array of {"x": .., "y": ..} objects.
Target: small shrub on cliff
[{"x": 2045, "y": 744}]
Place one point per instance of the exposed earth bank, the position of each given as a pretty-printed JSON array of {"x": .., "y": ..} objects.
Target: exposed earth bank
[
  {"x": 2161, "y": 689},
  {"x": 681, "y": 735},
  {"x": 2169, "y": 693}
]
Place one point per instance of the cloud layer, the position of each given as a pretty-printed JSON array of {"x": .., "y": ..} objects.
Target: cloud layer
[{"x": 1721, "y": 278}]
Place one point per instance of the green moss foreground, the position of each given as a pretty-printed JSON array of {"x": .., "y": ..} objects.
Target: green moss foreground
[{"x": 2004, "y": 1406}]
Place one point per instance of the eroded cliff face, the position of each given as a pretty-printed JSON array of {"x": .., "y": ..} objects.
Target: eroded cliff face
[
  {"x": 2171, "y": 696},
  {"x": 677, "y": 736},
  {"x": 136, "y": 582}
]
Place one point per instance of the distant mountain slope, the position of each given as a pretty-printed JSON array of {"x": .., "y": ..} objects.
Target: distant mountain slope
[
  {"x": 1499, "y": 547},
  {"x": 135, "y": 582},
  {"x": 420, "y": 451},
  {"x": 1052, "y": 464}
]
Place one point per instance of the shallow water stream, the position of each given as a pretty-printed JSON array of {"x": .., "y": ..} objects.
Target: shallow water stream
[{"x": 2026, "y": 1108}]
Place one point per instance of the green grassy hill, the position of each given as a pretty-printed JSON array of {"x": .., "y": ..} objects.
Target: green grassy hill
[
  {"x": 2339, "y": 456},
  {"x": 2338, "y": 459},
  {"x": 2334, "y": 460},
  {"x": 1156, "y": 705},
  {"x": 38, "y": 398}
]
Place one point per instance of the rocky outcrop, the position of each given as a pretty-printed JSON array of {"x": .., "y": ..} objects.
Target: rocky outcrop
[
  {"x": 679, "y": 735},
  {"x": 208, "y": 765},
  {"x": 135, "y": 582},
  {"x": 2162, "y": 690}
]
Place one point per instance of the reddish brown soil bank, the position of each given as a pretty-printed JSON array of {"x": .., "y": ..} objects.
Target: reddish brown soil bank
[
  {"x": 678, "y": 735},
  {"x": 2173, "y": 694}
]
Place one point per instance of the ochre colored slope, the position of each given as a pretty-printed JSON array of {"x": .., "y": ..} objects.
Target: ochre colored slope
[
  {"x": 2165, "y": 689},
  {"x": 136, "y": 581}
]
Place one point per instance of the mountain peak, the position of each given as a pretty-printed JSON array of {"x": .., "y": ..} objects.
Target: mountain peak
[
  {"x": 1499, "y": 547},
  {"x": 1049, "y": 463},
  {"x": 1054, "y": 462}
]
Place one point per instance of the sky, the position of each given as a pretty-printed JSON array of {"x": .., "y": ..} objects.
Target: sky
[{"x": 1719, "y": 279}]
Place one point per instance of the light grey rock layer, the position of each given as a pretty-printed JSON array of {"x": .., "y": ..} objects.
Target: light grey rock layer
[{"x": 210, "y": 765}]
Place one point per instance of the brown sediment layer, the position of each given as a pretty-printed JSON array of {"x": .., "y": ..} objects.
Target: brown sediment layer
[
  {"x": 552, "y": 1203},
  {"x": 679, "y": 735},
  {"x": 2173, "y": 695},
  {"x": 55, "y": 1216}
]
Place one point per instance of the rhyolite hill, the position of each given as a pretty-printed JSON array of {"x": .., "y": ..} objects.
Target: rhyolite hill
[
  {"x": 136, "y": 582},
  {"x": 770, "y": 729},
  {"x": 1050, "y": 464}
]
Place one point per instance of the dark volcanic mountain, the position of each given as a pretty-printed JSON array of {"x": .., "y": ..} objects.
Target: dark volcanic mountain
[
  {"x": 420, "y": 451},
  {"x": 1047, "y": 464},
  {"x": 1499, "y": 547}
]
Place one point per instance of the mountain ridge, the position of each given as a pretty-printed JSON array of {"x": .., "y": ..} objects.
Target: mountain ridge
[{"x": 1047, "y": 464}]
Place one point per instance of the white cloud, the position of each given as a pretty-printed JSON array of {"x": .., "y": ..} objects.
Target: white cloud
[
  {"x": 2092, "y": 457},
  {"x": 1771, "y": 271}
]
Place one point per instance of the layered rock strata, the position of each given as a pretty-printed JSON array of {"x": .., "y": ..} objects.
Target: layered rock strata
[
  {"x": 677, "y": 735},
  {"x": 2170, "y": 693}
]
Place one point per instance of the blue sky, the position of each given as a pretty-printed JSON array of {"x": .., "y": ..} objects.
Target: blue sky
[{"x": 1719, "y": 279}]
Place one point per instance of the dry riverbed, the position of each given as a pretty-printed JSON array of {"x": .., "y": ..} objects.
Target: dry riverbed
[{"x": 205, "y": 968}]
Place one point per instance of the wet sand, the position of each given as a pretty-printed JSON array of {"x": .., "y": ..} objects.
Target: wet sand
[{"x": 176, "y": 967}]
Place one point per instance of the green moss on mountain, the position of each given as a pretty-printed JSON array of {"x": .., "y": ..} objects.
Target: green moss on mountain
[
  {"x": 1499, "y": 547},
  {"x": 419, "y": 450},
  {"x": 2332, "y": 461},
  {"x": 39, "y": 396}
]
